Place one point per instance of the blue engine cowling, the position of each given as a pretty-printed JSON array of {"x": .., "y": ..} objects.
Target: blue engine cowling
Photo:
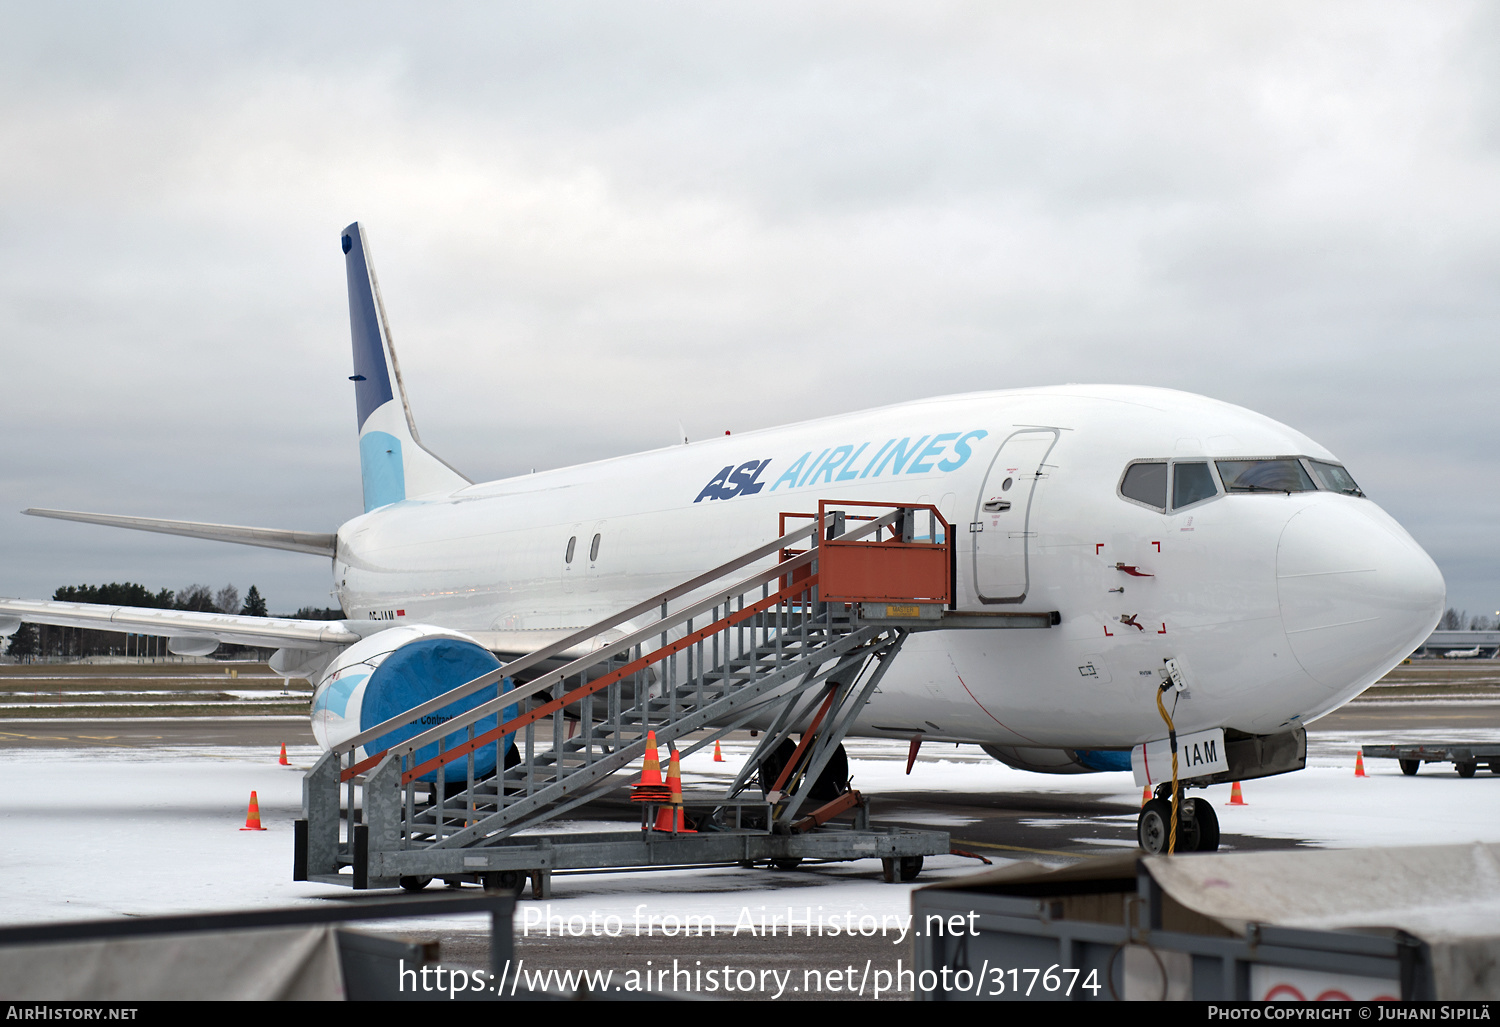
[{"x": 399, "y": 669}]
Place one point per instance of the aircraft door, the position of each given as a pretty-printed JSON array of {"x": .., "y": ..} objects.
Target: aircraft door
[{"x": 1002, "y": 528}]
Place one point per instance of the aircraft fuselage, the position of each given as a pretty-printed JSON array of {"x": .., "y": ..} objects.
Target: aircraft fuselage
[{"x": 1279, "y": 606}]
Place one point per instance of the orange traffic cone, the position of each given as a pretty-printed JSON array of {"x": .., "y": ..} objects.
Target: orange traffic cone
[
  {"x": 1359, "y": 764},
  {"x": 252, "y": 816},
  {"x": 718, "y": 756},
  {"x": 651, "y": 771},
  {"x": 670, "y": 817},
  {"x": 650, "y": 788},
  {"x": 1145, "y": 795},
  {"x": 283, "y": 761},
  {"x": 1236, "y": 797}
]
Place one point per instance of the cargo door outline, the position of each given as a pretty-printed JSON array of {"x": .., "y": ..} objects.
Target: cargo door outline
[{"x": 998, "y": 548}]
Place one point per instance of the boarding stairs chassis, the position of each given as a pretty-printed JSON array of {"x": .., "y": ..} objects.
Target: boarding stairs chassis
[{"x": 802, "y": 643}]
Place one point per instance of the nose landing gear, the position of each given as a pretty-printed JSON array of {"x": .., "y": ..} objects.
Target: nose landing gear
[{"x": 1197, "y": 824}]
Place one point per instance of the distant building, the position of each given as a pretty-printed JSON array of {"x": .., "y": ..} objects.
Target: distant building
[{"x": 1440, "y": 642}]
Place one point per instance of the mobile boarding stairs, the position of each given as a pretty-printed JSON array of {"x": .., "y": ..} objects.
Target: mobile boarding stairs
[{"x": 797, "y": 647}]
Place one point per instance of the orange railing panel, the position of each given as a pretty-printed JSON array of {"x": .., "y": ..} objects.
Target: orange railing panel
[{"x": 881, "y": 570}]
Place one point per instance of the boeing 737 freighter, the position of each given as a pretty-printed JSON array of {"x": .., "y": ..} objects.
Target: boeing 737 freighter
[{"x": 1166, "y": 530}]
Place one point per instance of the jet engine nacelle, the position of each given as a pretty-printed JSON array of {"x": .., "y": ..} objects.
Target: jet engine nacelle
[
  {"x": 1058, "y": 761},
  {"x": 399, "y": 669}
]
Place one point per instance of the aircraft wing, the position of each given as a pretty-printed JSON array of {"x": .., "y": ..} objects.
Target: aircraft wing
[
  {"x": 269, "y": 632},
  {"x": 278, "y": 632}
]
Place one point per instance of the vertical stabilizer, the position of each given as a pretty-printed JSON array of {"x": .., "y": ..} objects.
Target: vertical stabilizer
[{"x": 393, "y": 463}]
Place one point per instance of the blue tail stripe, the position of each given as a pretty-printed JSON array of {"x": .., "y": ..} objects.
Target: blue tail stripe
[
  {"x": 372, "y": 385},
  {"x": 381, "y": 470}
]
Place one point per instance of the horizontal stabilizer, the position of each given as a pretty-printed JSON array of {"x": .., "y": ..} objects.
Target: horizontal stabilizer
[
  {"x": 223, "y": 627},
  {"x": 317, "y": 543}
]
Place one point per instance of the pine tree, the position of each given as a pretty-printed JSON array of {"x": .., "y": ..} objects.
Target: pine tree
[
  {"x": 24, "y": 642},
  {"x": 254, "y": 606}
]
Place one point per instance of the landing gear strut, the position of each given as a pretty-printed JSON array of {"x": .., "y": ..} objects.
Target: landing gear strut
[{"x": 1197, "y": 825}]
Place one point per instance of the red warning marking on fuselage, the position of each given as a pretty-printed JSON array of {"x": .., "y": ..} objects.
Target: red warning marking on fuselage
[
  {"x": 1163, "y": 630},
  {"x": 1098, "y": 547},
  {"x": 1108, "y": 633},
  {"x": 1157, "y": 545}
]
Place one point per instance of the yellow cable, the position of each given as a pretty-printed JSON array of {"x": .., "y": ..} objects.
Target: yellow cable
[{"x": 1172, "y": 737}]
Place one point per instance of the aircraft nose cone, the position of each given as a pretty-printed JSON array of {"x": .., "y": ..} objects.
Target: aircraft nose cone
[{"x": 1357, "y": 593}]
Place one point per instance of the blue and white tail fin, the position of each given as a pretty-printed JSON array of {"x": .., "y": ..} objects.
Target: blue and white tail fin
[{"x": 393, "y": 463}]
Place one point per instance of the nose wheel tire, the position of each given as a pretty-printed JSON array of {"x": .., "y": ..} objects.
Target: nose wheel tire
[
  {"x": 1154, "y": 826},
  {"x": 1197, "y": 827},
  {"x": 1208, "y": 825}
]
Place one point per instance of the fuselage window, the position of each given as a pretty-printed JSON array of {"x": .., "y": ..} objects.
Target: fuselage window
[
  {"x": 568, "y": 556},
  {"x": 1146, "y": 483},
  {"x": 594, "y": 549},
  {"x": 1192, "y": 483},
  {"x": 1264, "y": 476},
  {"x": 1334, "y": 478}
]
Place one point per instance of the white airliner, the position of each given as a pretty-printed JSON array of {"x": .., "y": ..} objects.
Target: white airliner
[{"x": 1161, "y": 526}]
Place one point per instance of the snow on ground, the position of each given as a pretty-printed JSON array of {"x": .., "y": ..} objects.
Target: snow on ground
[{"x": 87, "y": 833}]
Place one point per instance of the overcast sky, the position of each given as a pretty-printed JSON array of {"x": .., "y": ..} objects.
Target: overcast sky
[{"x": 594, "y": 221}]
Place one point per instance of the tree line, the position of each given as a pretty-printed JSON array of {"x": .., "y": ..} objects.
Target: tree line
[
  {"x": 51, "y": 640},
  {"x": 1459, "y": 620}
]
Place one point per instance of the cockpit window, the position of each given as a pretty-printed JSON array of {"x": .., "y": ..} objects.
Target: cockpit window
[
  {"x": 1146, "y": 483},
  {"x": 1285, "y": 475},
  {"x": 1334, "y": 478},
  {"x": 1192, "y": 483}
]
